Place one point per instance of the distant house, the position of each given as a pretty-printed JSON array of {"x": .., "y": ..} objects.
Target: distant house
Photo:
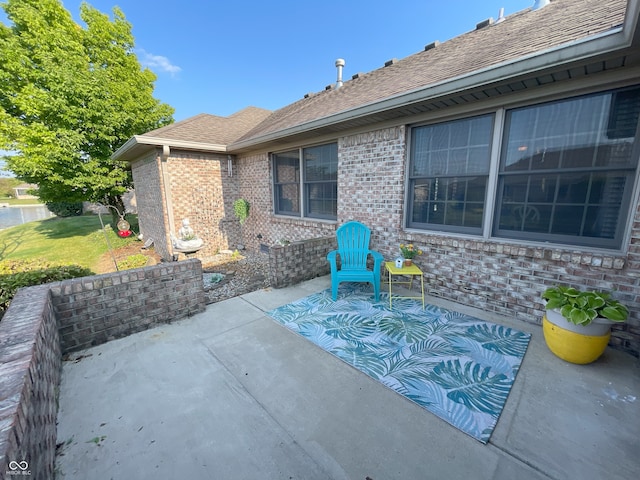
[
  {"x": 23, "y": 191},
  {"x": 508, "y": 154}
]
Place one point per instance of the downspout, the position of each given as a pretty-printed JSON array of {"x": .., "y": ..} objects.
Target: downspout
[{"x": 166, "y": 151}]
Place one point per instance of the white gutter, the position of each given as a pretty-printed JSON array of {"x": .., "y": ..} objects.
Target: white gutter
[
  {"x": 138, "y": 140},
  {"x": 611, "y": 40}
]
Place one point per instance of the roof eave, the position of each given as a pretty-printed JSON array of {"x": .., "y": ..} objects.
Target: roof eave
[
  {"x": 606, "y": 42},
  {"x": 138, "y": 145}
]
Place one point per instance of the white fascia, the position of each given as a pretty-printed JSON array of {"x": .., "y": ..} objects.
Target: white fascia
[{"x": 139, "y": 140}]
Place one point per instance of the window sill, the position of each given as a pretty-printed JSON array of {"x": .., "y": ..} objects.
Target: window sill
[{"x": 304, "y": 221}]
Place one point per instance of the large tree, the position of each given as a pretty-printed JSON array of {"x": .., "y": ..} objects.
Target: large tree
[{"x": 70, "y": 95}]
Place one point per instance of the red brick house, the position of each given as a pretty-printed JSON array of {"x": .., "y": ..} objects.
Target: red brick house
[{"x": 508, "y": 154}]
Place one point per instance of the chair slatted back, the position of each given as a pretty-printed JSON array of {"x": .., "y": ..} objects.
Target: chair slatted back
[{"x": 353, "y": 245}]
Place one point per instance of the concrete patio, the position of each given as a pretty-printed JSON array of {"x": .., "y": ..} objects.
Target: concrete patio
[{"x": 231, "y": 394}]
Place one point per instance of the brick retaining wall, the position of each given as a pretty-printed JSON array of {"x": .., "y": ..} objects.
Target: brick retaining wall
[
  {"x": 299, "y": 261},
  {"x": 46, "y": 321},
  {"x": 95, "y": 310},
  {"x": 30, "y": 363}
]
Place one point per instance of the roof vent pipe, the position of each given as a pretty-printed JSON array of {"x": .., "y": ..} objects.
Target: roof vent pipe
[
  {"x": 540, "y": 4},
  {"x": 500, "y": 16},
  {"x": 339, "y": 65}
]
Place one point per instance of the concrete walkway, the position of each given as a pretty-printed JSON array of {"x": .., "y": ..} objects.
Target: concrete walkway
[{"x": 229, "y": 394}]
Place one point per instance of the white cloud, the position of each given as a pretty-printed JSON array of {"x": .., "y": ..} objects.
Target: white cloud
[{"x": 157, "y": 62}]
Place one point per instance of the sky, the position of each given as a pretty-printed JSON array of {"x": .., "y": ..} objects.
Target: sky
[{"x": 218, "y": 57}]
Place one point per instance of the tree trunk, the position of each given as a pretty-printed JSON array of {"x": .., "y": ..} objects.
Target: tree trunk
[{"x": 115, "y": 202}]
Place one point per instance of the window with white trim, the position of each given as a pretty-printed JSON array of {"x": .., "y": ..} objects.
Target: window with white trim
[
  {"x": 312, "y": 171},
  {"x": 565, "y": 173}
]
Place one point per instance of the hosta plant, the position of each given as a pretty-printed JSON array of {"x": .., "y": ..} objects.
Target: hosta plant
[{"x": 582, "y": 307}]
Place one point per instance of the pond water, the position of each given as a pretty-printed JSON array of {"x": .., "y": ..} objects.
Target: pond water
[{"x": 17, "y": 215}]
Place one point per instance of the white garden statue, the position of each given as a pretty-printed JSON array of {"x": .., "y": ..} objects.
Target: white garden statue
[{"x": 187, "y": 240}]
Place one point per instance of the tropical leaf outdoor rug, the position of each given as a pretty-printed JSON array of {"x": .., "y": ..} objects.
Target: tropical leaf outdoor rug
[{"x": 456, "y": 366}]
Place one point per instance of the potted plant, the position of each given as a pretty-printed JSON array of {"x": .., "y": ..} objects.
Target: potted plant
[
  {"x": 409, "y": 252},
  {"x": 577, "y": 324}
]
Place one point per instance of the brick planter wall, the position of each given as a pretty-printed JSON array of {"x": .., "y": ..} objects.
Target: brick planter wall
[
  {"x": 94, "y": 310},
  {"x": 30, "y": 364},
  {"x": 299, "y": 261},
  {"x": 45, "y": 321}
]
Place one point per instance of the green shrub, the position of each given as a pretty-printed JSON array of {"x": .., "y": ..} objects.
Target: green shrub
[
  {"x": 241, "y": 209},
  {"x": 65, "y": 209},
  {"x": 15, "y": 274},
  {"x": 133, "y": 261}
]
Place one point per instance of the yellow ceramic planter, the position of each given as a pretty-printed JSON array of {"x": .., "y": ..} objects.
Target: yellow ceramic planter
[{"x": 574, "y": 346}]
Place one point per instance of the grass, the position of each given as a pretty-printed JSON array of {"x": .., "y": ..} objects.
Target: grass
[
  {"x": 21, "y": 201},
  {"x": 68, "y": 241}
]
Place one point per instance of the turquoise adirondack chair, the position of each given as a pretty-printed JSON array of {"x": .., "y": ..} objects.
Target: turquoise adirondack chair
[{"x": 353, "y": 249}]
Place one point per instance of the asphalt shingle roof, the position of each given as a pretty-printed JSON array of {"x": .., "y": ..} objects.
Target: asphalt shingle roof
[
  {"x": 524, "y": 33},
  {"x": 205, "y": 128}
]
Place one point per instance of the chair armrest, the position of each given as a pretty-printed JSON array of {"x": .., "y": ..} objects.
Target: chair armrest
[
  {"x": 332, "y": 258},
  {"x": 378, "y": 258}
]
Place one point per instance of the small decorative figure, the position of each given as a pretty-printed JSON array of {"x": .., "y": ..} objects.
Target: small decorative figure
[
  {"x": 188, "y": 241},
  {"x": 186, "y": 232}
]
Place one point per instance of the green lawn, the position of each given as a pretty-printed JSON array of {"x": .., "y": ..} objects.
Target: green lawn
[
  {"x": 71, "y": 240},
  {"x": 22, "y": 201}
]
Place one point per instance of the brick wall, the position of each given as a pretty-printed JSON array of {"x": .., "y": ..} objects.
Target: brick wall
[
  {"x": 45, "y": 321},
  {"x": 151, "y": 202},
  {"x": 299, "y": 261},
  {"x": 30, "y": 363},
  {"x": 254, "y": 170},
  {"x": 203, "y": 192},
  {"x": 371, "y": 170},
  {"x": 199, "y": 188},
  {"x": 494, "y": 275},
  {"x": 508, "y": 279},
  {"x": 262, "y": 227},
  {"x": 97, "y": 309},
  {"x": 500, "y": 276}
]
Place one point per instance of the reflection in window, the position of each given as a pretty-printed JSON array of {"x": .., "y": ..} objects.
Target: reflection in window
[
  {"x": 287, "y": 183},
  {"x": 319, "y": 182},
  {"x": 449, "y": 172},
  {"x": 567, "y": 169}
]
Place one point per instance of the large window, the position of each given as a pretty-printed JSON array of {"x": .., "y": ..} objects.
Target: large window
[
  {"x": 567, "y": 170},
  {"x": 565, "y": 173},
  {"x": 449, "y": 173},
  {"x": 318, "y": 182}
]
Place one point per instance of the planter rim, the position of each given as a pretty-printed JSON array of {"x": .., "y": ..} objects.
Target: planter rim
[{"x": 598, "y": 326}]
